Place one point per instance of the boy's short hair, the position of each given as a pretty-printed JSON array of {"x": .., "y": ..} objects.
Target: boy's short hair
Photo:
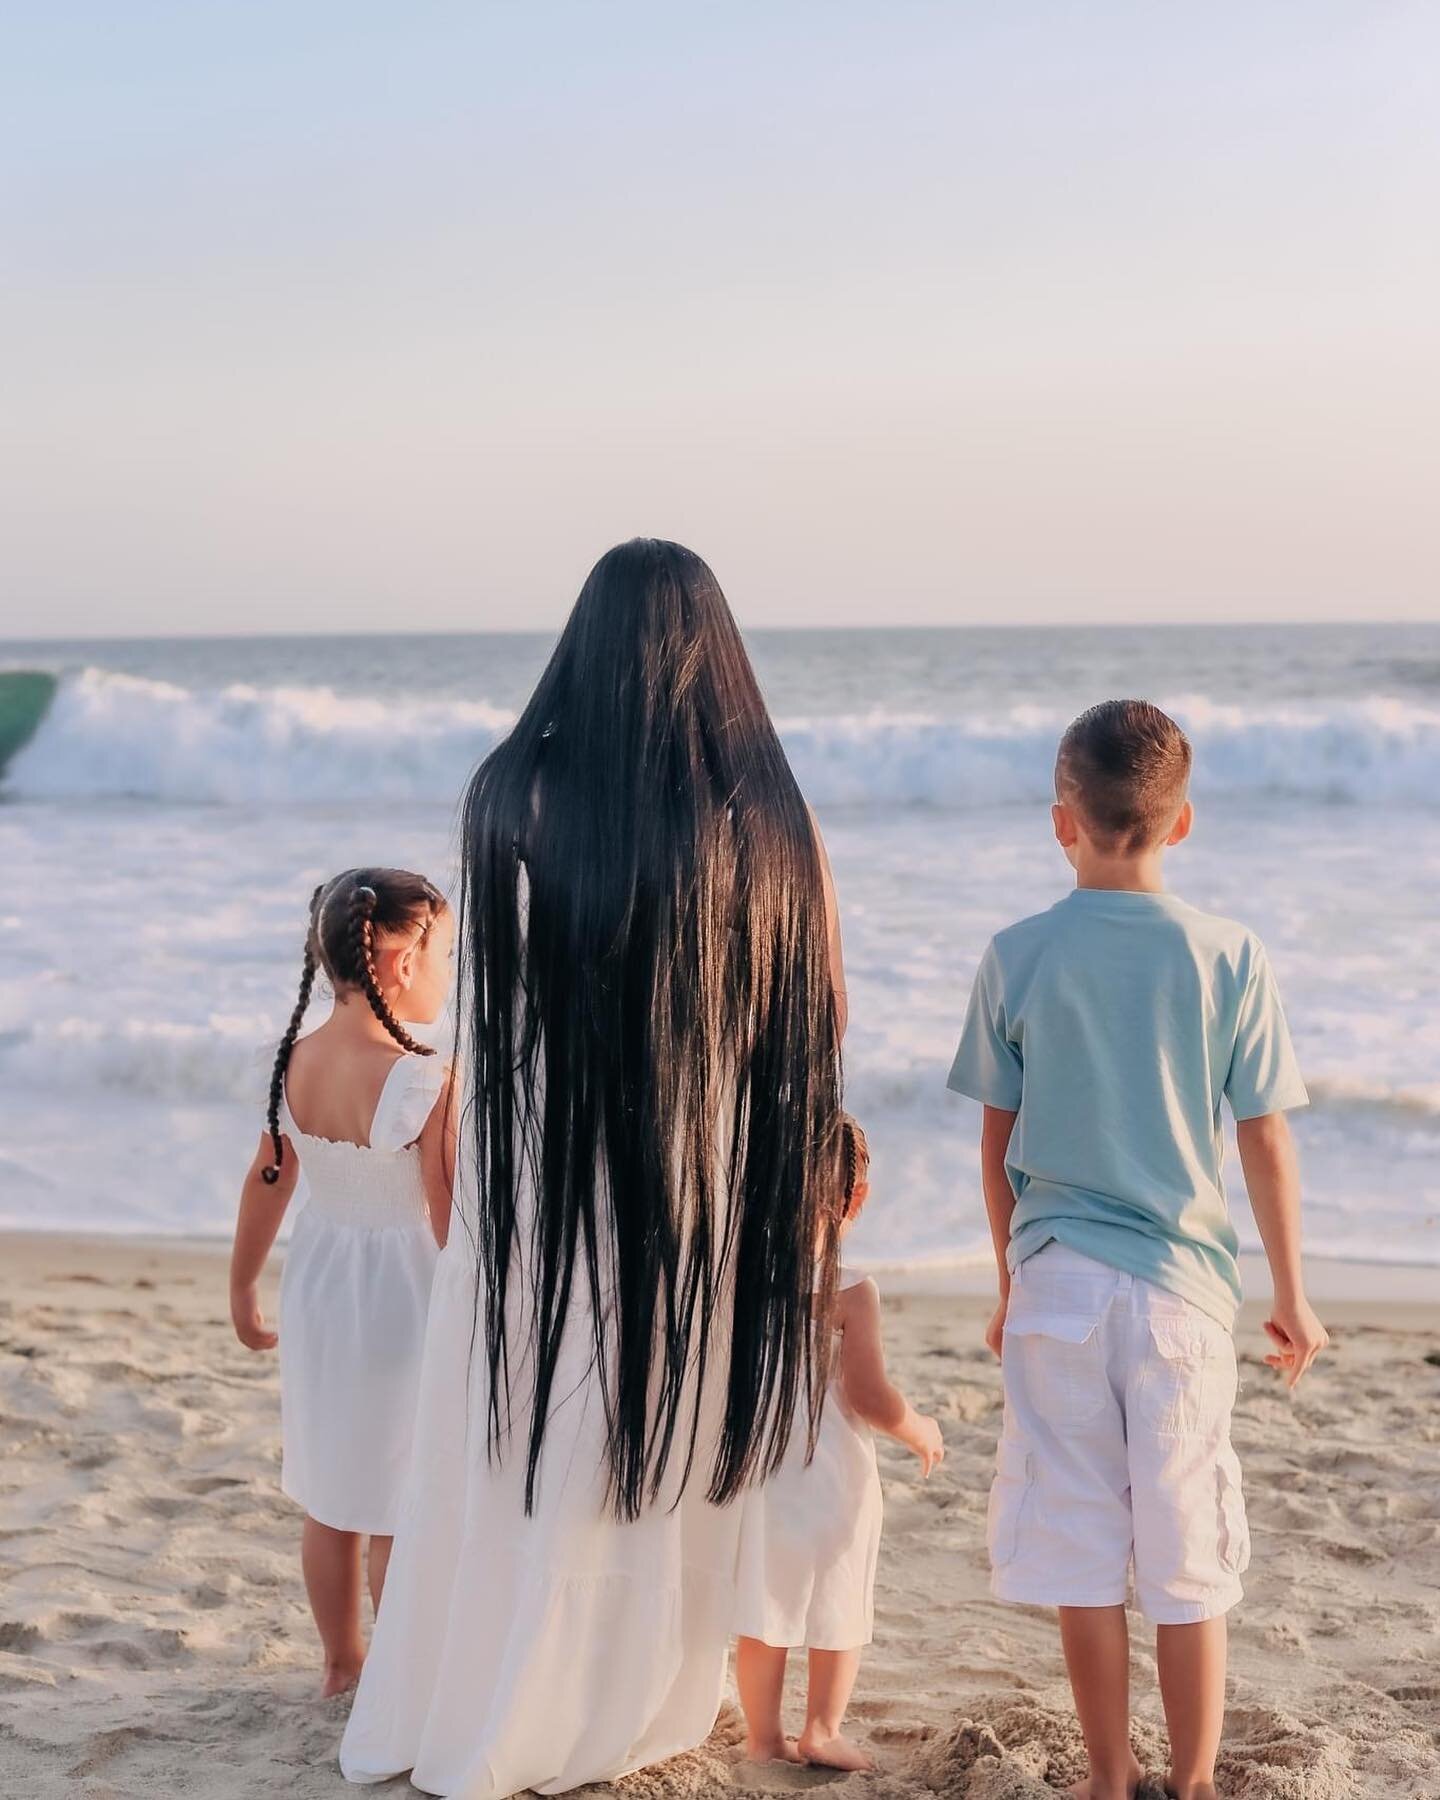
[{"x": 1124, "y": 766}]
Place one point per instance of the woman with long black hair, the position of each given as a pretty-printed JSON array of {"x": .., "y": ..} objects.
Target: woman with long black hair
[{"x": 622, "y": 1329}]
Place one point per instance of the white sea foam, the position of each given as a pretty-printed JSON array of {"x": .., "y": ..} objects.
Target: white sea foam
[
  {"x": 116, "y": 736},
  {"x": 226, "y": 1057},
  {"x": 149, "y": 952},
  {"x": 221, "y": 1058},
  {"x": 1416, "y": 1107},
  {"x": 109, "y": 735}
]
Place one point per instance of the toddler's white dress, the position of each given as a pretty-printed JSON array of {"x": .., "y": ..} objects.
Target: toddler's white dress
[
  {"x": 810, "y": 1536},
  {"x": 353, "y": 1302}
]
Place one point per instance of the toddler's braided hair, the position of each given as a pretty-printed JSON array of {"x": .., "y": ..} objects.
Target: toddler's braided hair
[
  {"x": 345, "y": 915},
  {"x": 854, "y": 1161}
]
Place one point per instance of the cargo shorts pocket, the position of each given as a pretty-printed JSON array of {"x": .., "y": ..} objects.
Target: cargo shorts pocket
[
  {"x": 1055, "y": 1365},
  {"x": 1188, "y": 1381},
  {"x": 1009, "y": 1496},
  {"x": 1234, "y": 1527}
]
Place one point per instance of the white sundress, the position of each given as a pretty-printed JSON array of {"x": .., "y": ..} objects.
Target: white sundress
[
  {"x": 810, "y": 1536},
  {"x": 549, "y": 1650},
  {"x": 354, "y": 1296}
]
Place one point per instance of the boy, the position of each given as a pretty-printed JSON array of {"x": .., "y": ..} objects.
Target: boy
[{"x": 1100, "y": 1039}]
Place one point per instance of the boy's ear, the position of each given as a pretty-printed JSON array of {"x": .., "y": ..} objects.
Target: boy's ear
[
  {"x": 1067, "y": 831},
  {"x": 1180, "y": 830}
]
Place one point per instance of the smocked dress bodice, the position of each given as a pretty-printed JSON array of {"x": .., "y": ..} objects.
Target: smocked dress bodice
[{"x": 359, "y": 1185}]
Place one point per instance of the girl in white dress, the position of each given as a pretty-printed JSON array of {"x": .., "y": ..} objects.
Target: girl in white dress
[
  {"x": 810, "y": 1537},
  {"x": 355, "y": 1105}
]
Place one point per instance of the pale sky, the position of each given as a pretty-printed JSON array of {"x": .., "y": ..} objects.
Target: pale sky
[{"x": 349, "y": 314}]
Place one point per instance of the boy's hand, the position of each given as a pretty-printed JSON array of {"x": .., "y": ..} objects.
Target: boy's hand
[
  {"x": 1298, "y": 1336},
  {"x": 995, "y": 1330},
  {"x": 250, "y": 1326},
  {"x": 928, "y": 1445}
]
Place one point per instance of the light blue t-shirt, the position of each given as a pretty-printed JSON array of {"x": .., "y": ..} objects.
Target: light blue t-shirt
[{"x": 1113, "y": 1025}]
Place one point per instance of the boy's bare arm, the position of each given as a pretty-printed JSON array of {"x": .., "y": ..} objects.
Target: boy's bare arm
[
  {"x": 1272, "y": 1179},
  {"x": 995, "y": 1133}
]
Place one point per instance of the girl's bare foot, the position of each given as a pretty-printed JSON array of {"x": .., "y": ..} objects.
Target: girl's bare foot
[
  {"x": 338, "y": 1677},
  {"x": 781, "y": 1749},
  {"x": 832, "y": 1751},
  {"x": 1189, "y": 1790},
  {"x": 1097, "y": 1787}
]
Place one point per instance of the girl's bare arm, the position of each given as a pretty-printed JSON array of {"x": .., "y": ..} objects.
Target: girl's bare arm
[
  {"x": 868, "y": 1388},
  {"x": 262, "y": 1207}
]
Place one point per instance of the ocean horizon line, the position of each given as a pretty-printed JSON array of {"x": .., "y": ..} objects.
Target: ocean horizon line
[{"x": 878, "y": 628}]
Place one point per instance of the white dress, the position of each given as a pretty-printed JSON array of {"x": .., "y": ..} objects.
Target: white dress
[
  {"x": 810, "y": 1537},
  {"x": 549, "y": 1651},
  {"x": 354, "y": 1296}
]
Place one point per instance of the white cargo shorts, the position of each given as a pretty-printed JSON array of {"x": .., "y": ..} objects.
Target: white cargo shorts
[{"x": 1116, "y": 1449}]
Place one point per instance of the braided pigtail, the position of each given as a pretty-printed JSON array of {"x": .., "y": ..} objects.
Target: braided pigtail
[
  {"x": 854, "y": 1161},
  {"x": 271, "y": 1173},
  {"x": 362, "y": 951}
]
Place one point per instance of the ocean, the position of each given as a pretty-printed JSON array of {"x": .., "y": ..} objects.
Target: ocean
[{"x": 162, "y": 828}]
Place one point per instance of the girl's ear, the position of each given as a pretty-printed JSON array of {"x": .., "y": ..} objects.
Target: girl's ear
[{"x": 405, "y": 968}]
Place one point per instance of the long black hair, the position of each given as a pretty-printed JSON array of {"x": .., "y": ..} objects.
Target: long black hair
[
  {"x": 345, "y": 914},
  {"x": 652, "y": 1038}
]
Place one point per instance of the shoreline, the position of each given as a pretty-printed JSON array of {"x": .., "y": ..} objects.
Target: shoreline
[
  {"x": 1405, "y": 1295},
  {"x": 1375, "y": 1289}
]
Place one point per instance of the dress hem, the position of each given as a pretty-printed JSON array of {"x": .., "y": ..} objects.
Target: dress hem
[
  {"x": 804, "y": 1642},
  {"x": 331, "y": 1525}
]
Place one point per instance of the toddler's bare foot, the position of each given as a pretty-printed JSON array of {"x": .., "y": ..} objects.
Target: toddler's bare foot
[
  {"x": 1101, "y": 1787},
  {"x": 832, "y": 1751},
  {"x": 778, "y": 1749},
  {"x": 339, "y": 1676}
]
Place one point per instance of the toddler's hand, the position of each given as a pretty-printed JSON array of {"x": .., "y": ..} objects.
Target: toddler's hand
[
  {"x": 929, "y": 1446},
  {"x": 250, "y": 1326},
  {"x": 995, "y": 1330},
  {"x": 1298, "y": 1336}
]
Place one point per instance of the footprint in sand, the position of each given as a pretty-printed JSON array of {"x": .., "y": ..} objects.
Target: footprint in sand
[{"x": 165, "y": 1506}]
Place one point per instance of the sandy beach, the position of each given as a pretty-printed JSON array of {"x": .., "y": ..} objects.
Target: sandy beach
[{"x": 154, "y": 1637}]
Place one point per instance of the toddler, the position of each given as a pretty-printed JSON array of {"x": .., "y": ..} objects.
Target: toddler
[{"x": 810, "y": 1535}]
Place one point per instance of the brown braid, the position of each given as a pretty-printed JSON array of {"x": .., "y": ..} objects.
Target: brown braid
[
  {"x": 854, "y": 1160},
  {"x": 362, "y": 944},
  {"x": 344, "y": 914},
  {"x": 271, "y": 1173}
]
